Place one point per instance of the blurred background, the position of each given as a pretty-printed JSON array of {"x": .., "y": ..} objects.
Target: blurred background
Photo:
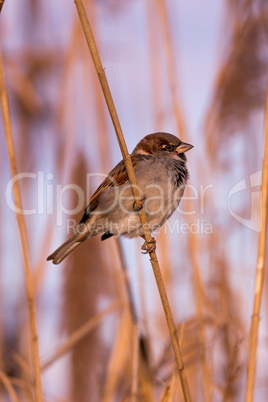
[{"x": 196, "y": 70}]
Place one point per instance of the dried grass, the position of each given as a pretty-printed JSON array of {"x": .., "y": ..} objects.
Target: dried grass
[
  {"x": 123, "y": 351},
  {"x": 22, "y": 230}
]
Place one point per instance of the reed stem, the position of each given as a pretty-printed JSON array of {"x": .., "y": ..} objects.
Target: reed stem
[
  {"x": 260, "y": 271},
  {"x": 130, "y": 171},
  {"x": 22, "y": 231}
]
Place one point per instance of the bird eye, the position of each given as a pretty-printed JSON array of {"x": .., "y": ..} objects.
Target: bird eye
[{"x": 167, "y": 147}]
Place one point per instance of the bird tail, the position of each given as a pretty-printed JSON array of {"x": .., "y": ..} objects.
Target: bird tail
[
  {"x": 84, "y": 231},
  {"x": 65, "y": 249}
]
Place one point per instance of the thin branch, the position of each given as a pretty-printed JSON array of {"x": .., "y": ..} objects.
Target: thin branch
[
  {"x": 165, "y": 393},
  {"x": 25, "y": 385},
  {"x": 22, "y": 230},
  {"x": 259, "y": 279},
  {"x": 135, "y": 363},
  {"x": 9, "y": 387},
  {"x": 130, "y": 171},
  {"x": 19, "y": 361}
]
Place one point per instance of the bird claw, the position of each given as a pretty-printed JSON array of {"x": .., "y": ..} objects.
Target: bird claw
[
  {"x": 137, "y": 205},
  {"x": 149, "y": 247}
]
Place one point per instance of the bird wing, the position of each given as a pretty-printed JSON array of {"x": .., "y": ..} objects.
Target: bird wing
[{"x": 116, "y": 177}]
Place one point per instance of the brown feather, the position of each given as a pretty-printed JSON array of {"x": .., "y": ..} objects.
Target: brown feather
[{"x": 116, "y": 177}]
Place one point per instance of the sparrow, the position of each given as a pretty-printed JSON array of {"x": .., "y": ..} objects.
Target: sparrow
[{"x": 159, "y": 163}]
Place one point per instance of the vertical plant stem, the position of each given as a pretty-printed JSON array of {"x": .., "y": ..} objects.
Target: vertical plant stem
[
  {"x": 199, "y": 302},
  {"x": 135, "y": 363},
  {"x": 132, "y": 309},
  {"x": 22, "y": 231},
  {"x": 1, "y": 4},
  {"x": 130, "y": 171},
  {"x": 259, "y": 278},
  {"x": 161, "y": 8},
  {"x": 1, "y": 273}
]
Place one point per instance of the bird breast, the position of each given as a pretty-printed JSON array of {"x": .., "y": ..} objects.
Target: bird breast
[{"x": 160, "y": 181}]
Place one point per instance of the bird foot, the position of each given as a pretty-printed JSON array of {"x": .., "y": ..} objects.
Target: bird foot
[
  {"x": 149, "y": 247},
  {"x": 137, "y": 205}
]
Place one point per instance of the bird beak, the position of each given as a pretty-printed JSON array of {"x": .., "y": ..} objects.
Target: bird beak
[{"x": 183, "y": 147}]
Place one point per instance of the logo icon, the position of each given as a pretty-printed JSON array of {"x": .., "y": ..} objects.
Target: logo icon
[{"x": 254, "y": 221}]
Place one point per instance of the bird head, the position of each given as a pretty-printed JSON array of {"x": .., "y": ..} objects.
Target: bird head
[{"x": 163, "y": 145}]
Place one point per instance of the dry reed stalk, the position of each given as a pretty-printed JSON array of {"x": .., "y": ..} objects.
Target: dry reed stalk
[
  {"x": 171, "y": 65},
  {"x": 145, "y": 355},
  {"x": 164, "y": 395},
  {"x": 9, "y": 387},
  {"x": 135, "y": 363},
  {"x": 125, "y": 276},
  {"x": 118, "y": 359},
  {"x": 168, "y": 392},
  {"x": 130, "y": 171},
  {"x": 233, "y": 371},
  {"x": 118, "y": 277},
  {"x": 72, "y": 48},
  {"x": 239, "y": 89},
  {"x": 193, "y": 244},
  {"x": 101, "y": 117},
  {"x": 146, "y": 383},
  {"x": 66, "y": 159},
  {"x": 228, "y": 323},
  {"x": 156, "y": 85},
  {"x": 40, "y": 271},
  {"x": 165, "y": 263},
  {"x": 26, "y": 94},
  {"x": 260, "y": 271},
  {"x": 142, "y": 295},
  {"x": 172, "y": 387},
  {"x": 1, "y": 4},
  {"x": 23, "y": 384},
  {"x": 22, "y": 230},
  {"x": 199, "y": 302},
  {"x": 1, "y": 273},
  {"x": 16, "y": 357},
  {"x": 77, "y": 335}
]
